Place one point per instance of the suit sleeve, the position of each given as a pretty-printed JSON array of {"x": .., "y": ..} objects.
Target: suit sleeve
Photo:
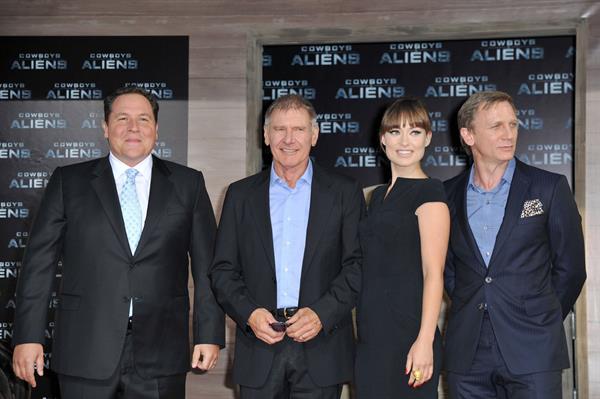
[
  {"x": 343, "y": 291},
  {"x": 566, "y": 246},
  {"x": 38, "y": 269},
  {"x": 449, "y": 269},
  {"x": 226, "y": 272},
  {"x": 209, "y": 320}
]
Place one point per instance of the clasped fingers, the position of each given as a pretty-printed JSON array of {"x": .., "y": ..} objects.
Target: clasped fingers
[
  {"x": 260, "y": 322},
  {"x": 304, "y": 325}
]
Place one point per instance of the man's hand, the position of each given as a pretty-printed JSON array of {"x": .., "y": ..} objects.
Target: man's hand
[
  {"x": 205, "y": 356},
  {"x": 304, "y": 325},
  {"x": 260, "y": 322},
  {"x": 27, "y": 358}
]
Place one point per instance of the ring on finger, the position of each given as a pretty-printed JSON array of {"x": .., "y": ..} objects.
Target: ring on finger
[{"x": 417, "y": 374}]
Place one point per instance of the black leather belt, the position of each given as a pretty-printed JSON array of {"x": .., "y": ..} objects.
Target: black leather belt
[{"x": 284, "y": 313}]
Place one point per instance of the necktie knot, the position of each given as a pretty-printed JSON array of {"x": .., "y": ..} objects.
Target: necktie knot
[{"x": 131, "y": 173}]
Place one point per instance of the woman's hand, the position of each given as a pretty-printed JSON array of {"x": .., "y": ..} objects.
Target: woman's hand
[{"x": 419, "y": 362}]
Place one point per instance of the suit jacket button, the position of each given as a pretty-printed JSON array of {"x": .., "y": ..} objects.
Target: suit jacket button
[
  {"x": 482, "y": 306},
  {"x": 488, "y": 279},
  {"x": 132, "y": 265}
]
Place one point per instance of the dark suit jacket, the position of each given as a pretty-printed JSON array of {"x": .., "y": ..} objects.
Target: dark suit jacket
[
  {"x": 79, "y": 222},
  {"x": 534, "y": 276},
  {"x": 243, "y": 273}
]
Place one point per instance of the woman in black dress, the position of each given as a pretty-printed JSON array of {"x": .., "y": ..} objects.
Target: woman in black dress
[{"x": 404, "y": 241}]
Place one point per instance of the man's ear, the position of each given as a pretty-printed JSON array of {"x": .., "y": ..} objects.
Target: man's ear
[
  {"x": 266, "y": 136},
  {"x": 315, "y": 134},
  {"x": 467, "y": 136}
]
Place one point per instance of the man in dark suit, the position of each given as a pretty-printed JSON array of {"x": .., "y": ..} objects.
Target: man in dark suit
[
  {"x": 515, "y": 264},
  {"x": 127, "y": 228},
  {"x": 287, "y": 265}
]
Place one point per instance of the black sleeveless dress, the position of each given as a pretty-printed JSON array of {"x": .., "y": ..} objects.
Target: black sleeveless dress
[{"x": 389, "y": 308}]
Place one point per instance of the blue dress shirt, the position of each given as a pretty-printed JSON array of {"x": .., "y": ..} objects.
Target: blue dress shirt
[
  {"x": 485, "y": 210},
  {"x": 289, "y": 209}
]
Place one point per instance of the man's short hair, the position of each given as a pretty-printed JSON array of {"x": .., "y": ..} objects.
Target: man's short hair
[
  {"x": 475, "y": 102},
  {"x": 110, "y": 99},
  {"x": 288, "y": 102}
]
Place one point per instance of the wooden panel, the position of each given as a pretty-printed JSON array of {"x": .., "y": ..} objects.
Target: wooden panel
[
  {"x": 222, "y": 69},
  {"x": 218, "y": 93},
  {"x": 591, "y": 346},
  {"x": 578, "y": 325},
  {"x": 222, "y": 160},
  {"x": 217, "y": 63},
  {"x": 237, "y": 9},
  {"x": 223, "y": 123}
]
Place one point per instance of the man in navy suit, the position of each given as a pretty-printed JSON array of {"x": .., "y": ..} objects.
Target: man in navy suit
[{"x": 515, "y": 264}]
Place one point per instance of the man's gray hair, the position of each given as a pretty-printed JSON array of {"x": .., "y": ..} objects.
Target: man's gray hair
[{"x": 288, "y": 102}]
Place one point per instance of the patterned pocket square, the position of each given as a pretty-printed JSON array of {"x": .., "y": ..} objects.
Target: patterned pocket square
[{"x": 532, "y": 208}]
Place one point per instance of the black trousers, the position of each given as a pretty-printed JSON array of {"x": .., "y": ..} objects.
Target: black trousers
[
  {"x": 289, "y": 378},
  {"x": 125, "y": 383},
  {"x": 489, "y": 378}
]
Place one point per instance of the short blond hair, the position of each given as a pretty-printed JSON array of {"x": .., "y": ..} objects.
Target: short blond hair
[{"x": 481, "y": 100}]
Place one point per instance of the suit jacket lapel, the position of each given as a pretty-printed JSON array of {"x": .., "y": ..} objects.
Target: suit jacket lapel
[
  {"x": 160, "y": 191},
  {"x": 103, "y": 184},
  {"x": 512, "y": 211},
  {"x": 321, "y": 202},
  {"x": 463, "y": 220},
  {"x": 259, "y": 207}
]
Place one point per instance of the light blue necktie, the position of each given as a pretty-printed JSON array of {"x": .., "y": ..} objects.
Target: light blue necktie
[{"x": 132, "y": 212}]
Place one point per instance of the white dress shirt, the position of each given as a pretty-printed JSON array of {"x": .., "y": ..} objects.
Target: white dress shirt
[
  {"x": 142, "y": 180},
  {"x": 142, "y": 186}
]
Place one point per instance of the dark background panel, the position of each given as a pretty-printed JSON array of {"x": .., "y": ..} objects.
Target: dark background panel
[
  {"x": 350, "y": 86},
  {"x": 51, "y": 114}
]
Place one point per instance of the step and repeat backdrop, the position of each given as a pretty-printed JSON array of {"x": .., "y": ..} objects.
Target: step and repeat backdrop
[
  {"x": 51, "y": 113},
  {"x": 350, "y": 86},
  {"x": 51, "y": 91}
]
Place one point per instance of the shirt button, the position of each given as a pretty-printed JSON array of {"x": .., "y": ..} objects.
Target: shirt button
[
  {"x": 285, "y": 269},
  {"x": 487, "y": 254},
  {"x": 289, "y": 218},
  {"x": 488, "y": 279},
  {"x": 485, "y": 228},
  {"x": 287, "y": 243},
  {"x": 285, "y": 294}
]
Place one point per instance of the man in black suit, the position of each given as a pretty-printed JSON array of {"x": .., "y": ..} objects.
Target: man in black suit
[
  {"x": 127, "y": 228},
  {"x": 515, "y": 263},
  {"x": 288, "y": 256}
]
